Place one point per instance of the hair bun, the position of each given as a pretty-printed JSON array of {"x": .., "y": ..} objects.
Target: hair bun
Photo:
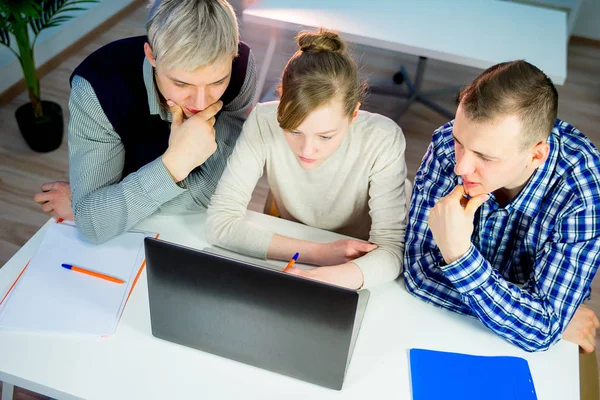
[{"x": 323, "y": 40}]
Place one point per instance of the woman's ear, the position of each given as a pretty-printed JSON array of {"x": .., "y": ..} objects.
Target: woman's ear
[{"x": 355, "y": 113}]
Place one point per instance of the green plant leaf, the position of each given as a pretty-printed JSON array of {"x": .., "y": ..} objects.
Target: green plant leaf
[
  {"x": 18, "y": 18},
  {"x": 60, "y": 20},
  {"x": 64, "y": 10},
  {"x": 19, "y": 9},
  {"x": 51, "y": 10},
  {"x": 4, "y": 37}
]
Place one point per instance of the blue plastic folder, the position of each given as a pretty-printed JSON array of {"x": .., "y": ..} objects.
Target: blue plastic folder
[{"x": 449, "y": 376}]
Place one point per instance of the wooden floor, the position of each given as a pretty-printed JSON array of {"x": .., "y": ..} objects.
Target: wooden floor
[{"x": 22, "y": 171}]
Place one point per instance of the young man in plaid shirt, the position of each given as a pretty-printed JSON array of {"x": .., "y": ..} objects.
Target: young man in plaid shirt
[{"x": 504, "y": 222}]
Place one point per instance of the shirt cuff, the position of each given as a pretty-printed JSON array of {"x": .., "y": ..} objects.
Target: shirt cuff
[
  {"x": 468, "y": 272},
  {"x": 157, "y": 182}
]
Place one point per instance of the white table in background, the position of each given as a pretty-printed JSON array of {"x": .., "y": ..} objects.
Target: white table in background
[
  {"x": 132, "y": 364},
  {"x": 473, "y": 33}
]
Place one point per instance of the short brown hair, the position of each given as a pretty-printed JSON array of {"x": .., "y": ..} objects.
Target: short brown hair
[
  {"x": 513, "y": 88},
  {"x": 319, "y": 72}
]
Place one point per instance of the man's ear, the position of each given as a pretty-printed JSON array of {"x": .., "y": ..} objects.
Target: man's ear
[
  {"x": 539, "y": 154},
  {"x": 149, "y": 55}
]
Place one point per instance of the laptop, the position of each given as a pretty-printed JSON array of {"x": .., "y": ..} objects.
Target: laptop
[{"x": 252, "y": 314}]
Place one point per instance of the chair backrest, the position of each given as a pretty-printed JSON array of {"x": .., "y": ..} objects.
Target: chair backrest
[{"x": 270, "y": 207}]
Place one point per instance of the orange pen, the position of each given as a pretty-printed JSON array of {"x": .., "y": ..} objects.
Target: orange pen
[
  {"x": 92, "y": 273},
  {"x": 291, "y": 263}
]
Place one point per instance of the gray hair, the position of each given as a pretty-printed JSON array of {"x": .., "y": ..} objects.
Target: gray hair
[{"x": 191, "y": 34}]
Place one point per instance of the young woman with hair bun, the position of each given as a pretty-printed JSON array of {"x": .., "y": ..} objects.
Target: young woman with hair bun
[{"x": 329, "y": 165}]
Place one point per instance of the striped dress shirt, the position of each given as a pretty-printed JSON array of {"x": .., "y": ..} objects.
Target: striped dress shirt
[
  {"x": 531, "y": 262},
  {"x": 105, "y": 203}
]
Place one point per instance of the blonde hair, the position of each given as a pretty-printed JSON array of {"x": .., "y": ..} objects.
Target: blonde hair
[
  {"x": 190, "y": 34},
  {"x": 319, "y": 72}
]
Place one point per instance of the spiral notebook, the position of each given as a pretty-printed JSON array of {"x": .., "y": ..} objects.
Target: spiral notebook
[
  {"x": 49, "y": 298},
  {"x": 455, "y": 376}
]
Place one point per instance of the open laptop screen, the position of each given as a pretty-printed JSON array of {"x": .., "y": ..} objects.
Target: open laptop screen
[{"x": 251, "y": 314}]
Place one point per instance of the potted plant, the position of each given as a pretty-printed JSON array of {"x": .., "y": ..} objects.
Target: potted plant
[{"x": 40, "y": 122}]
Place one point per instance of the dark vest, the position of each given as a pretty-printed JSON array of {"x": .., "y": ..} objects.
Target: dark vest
[{"x": 115, "y": 71}]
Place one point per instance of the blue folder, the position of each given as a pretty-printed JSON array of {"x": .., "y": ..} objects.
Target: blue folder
[{"x": 449, "y": 376}]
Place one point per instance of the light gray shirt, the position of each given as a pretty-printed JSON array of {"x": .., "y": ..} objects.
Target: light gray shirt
[
  {"x": 106, "y": 206},
  {"x": 358, "y": 191}
]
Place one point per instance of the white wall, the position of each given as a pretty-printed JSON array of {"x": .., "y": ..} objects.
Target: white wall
[
  {"x": 54, "y": 40},
  {"x": 588, "y": 20}
]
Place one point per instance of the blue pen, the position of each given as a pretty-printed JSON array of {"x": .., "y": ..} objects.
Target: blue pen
[{"x": 292, "y": 262}]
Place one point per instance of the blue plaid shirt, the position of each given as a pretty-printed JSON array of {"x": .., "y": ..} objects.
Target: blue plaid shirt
[{"x": 531, "y": 262}]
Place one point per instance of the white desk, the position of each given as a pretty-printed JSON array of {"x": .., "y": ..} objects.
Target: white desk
[
  {"x": 132, "y": 364},
  {"x": 474, "y": 33}
]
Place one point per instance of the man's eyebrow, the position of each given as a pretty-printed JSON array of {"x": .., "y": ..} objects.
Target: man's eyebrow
[
  {"x": 222, "y": 79},
  {"x": 477, "y": 152},
  {"x": 187, "y": 83},
  {"x": 485, "y": 155},
  {"x": 178, "y": 80}
]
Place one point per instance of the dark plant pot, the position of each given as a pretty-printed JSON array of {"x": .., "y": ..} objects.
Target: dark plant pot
[{"x": 41, "y": 134}]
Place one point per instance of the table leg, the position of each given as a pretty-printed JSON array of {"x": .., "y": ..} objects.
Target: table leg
[
  {"x": 7, "y": 391},
  {"x": 415, "y": 89},
  {"x": 260, "y": 84},
  {"x": 415, "y": 94},
  {"x": 419, "y": 74}
]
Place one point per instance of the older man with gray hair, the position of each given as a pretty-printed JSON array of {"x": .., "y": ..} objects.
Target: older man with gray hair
[{"x": 154, "y": 119}]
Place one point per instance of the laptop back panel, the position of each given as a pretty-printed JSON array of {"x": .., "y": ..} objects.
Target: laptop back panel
[{"x": 250, "y": 314}]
